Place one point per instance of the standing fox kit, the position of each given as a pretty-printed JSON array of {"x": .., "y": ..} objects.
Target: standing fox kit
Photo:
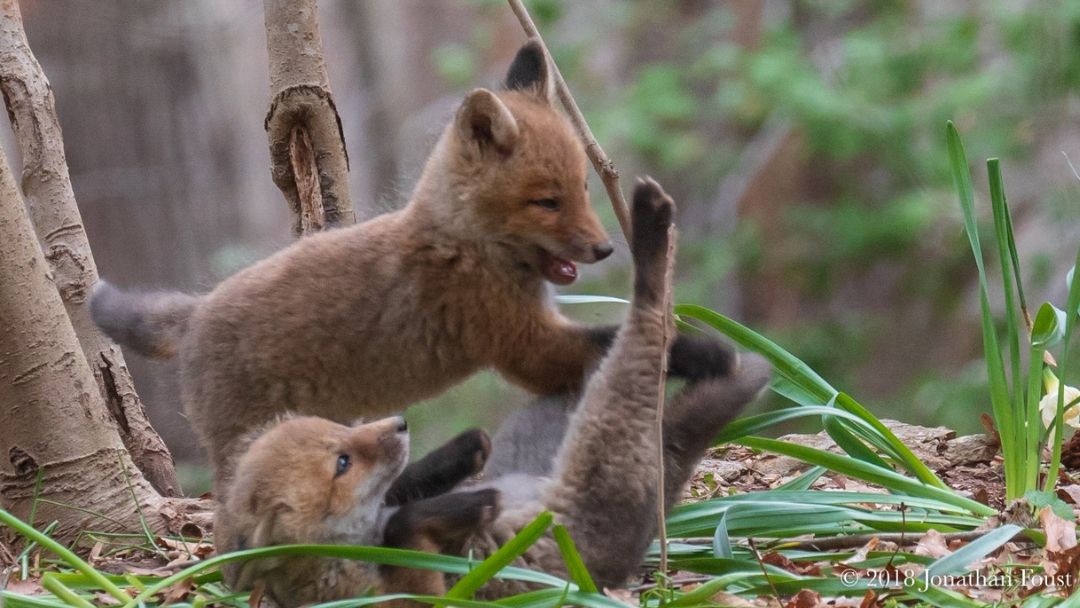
[
  {"x": 599, "y": 479},
  {"x": 369, "y": 319}
]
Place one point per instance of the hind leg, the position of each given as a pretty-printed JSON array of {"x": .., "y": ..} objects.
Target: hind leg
[
  {"x": 697, "y": 414},
  {"x": 606, "y": 471}
]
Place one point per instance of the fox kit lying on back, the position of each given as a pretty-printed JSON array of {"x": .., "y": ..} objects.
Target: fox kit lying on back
[
  {"x": 599, "y": 480},
  {"x": 310, "y": 480},
  {"x": 369, "y": 319}
]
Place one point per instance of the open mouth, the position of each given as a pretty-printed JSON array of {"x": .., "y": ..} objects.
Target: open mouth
[{"x": 559, "y": 271}]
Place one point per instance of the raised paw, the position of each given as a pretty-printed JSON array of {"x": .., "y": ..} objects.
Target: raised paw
[
  {"x": 697, "y": 357},
  {"x": 442, "y": 469},
  {"x": 652, "y": 215},
  {"x": 477, "y": 445}
]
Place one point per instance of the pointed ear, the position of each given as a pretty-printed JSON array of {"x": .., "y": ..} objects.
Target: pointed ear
[
  {"x": 483, "y": 118},
  {"x": 530, "y": 71}
]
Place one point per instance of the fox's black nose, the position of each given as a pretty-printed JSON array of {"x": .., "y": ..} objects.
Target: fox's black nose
[
  {"x": 602, "y": 250},
  {"x": 402, "y": 425}
]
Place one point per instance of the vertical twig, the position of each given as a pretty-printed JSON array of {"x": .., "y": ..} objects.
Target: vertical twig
[
  {"x": 603, "y": 165},
  {"x": 661, "y": 523},
  {"x": 309, "y": 162}
]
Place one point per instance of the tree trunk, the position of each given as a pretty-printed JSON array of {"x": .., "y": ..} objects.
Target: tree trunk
[
  {"x": 58, "y": 224},
  {"x": 58, "y": 439},
  {"x": 309, "y": 162}
]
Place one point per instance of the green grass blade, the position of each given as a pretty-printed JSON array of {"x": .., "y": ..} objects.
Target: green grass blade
[
  {"x": 851, "y": 467},
  {"x": 784, "y": 363},
  {"x": 588, "y": 299},
  {"x": 799, "y": 382},
  {"x": 977, "y": 549},
  {"x": 995, "y": 364},
  {"x": 898, "y": 449},
  {"x": 758, "y": 422},
  {"x": 63, "y": 553},
  {"x": 50, "y": 583},
  {"x": 469, "y": 584},
  {"x": 10, "y": 599},
  {"x": 575, "y": 566},
  {"x": 375, "y": 555},
  {"x": 1003, "y": 238},
  {"x": 804, "y": 480}
]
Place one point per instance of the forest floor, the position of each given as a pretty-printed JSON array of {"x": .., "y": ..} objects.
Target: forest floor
[{"x": 970, "y": 464}]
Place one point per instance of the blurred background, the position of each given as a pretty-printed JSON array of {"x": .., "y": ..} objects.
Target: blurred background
[{"x": 803, "y": 141}]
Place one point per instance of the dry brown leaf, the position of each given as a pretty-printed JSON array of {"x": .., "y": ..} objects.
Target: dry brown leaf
[
  {"x": 95, "y": 552},
  {"x": 864, "y": 551},
  {"x": 781, "y": 561},
  {"x": 932, "y": 544},
  {"x": 31, "y": 586},
  {"x": 104, "y": 599},
  {"x": 805, "y": 599},
  {"x": 1069, "y": 493},
  {"x": 177, "y": 592},
  {"x": 869, "y": 600},
  {"x": 1060, "y": 533}
]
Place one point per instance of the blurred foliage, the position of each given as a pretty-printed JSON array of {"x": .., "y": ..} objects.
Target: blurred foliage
[{"x": 869, "y": 86}]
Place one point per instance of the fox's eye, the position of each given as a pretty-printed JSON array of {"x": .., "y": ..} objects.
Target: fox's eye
[
  {"x": 546, "y": 203},
  {"x": 343, "y": 464}
]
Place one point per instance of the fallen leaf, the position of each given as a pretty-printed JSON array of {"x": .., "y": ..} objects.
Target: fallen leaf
[
  {"x": 932, "y": 544},
  {"x": 729, "y": 600},
  {"x": 864, "y": 551},
  {"x": 869, "y": 600},
  {"x": 1060, "y": 533},
  {"x": 31, "y": 586},
  {"x": 805, "y": 599},
  {"x": 781, "y": 561},
  {"x": 177, "y": 592},
  {"x": 1070, "y": 493},
  {"x": 104, "y": 599}
]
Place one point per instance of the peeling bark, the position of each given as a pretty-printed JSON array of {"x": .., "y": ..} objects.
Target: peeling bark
[
  {"x": 59, "y": 446},
  {"x": 309, "y": 162},
  {"x": 58, "y": 223}
]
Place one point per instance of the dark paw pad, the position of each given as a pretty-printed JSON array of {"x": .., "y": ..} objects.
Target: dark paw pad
[
  {"x": 653, "y": 212},
  {"x": 477, "y": 444}
]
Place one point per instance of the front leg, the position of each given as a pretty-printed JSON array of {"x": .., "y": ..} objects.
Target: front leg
[
  {"x": 438, "y": 525},
  {"x": 559, "y": 355},
  {"x": 442, "y": 469},
  {"x": 554, "y": 355}
]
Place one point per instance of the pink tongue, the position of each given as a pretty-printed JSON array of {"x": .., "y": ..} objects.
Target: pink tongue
[{"x": 559, "y": 271}]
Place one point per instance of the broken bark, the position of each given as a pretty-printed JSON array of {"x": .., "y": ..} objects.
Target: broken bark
[
  {"x": 61, "y": 453},
  {"x": 309, "y": 162},
  {"x": 58, "y": 224}
]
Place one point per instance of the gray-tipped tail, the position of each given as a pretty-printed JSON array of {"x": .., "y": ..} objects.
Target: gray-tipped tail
[{"x": 151, "y": 324}]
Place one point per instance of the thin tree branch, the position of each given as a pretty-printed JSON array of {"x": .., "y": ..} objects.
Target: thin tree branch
[
  {"x": 603, "y": 165},
  {"x": 309, "y": 162},
  {"x": 661, "y": 515}
]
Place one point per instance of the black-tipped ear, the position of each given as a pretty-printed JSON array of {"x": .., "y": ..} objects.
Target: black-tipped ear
[{"x": 530, "y": 71}]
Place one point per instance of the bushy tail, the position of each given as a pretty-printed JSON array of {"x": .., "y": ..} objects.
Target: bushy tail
[{"x": 151, "y": 324}]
